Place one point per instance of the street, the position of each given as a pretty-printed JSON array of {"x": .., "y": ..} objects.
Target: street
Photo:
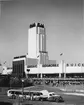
[{"x": 68, "y": 98}]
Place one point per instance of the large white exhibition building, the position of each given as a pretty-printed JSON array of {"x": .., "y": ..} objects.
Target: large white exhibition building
[{"x": 37, "y": 64}]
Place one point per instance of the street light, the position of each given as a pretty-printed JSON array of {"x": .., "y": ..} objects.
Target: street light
[
  {"x": 22, "y": 88},
  {"x": 38, "y": 58}
]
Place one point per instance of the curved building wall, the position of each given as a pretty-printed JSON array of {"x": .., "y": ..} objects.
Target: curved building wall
[
  {"x": 73, "y": 70},
  {"x": 45, "y": 70},
  {"x": 50, "y": 70}
]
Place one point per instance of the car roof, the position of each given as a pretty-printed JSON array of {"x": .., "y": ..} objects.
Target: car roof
[{"x": 51, "y": 92}]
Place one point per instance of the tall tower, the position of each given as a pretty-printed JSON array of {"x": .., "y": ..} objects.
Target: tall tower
[{"x": 37, "y": 41}]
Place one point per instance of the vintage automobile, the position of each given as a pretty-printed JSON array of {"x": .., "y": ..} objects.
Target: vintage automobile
[
  {"x": 13, "y": 93},
  {"x": 52, "y": 96},
  {"x": 43, "y": 95}
]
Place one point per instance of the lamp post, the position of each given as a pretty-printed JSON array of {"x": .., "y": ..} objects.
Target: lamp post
[
  {"x": 22, "y": 88},
  {"x": 38, "y": 58},
  {"x": 10, "y": 83},
  {"x": 62, "y": 65},
  {"x": 60, "y": 74}
]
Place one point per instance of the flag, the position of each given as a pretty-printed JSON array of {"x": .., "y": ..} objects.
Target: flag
[
  {"x": 37, "y": 56},
  {"x": 5, "y": 62},
  {"x": 61, "y": 54}
]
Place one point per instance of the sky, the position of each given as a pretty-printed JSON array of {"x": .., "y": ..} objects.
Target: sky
[{"x": 63, "y": 20}]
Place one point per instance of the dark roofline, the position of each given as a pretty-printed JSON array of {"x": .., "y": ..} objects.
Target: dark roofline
[
  {"x": 38, "y": 25},
  {"x": 22, "y": 56},
  {"x": 43, "y": 51}
]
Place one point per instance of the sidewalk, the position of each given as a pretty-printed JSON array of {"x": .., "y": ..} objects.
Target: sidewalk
[{"x": 71, "y": 88}]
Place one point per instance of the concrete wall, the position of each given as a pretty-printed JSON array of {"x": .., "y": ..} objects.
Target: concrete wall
[
  {"x": 74, "y": 69},
  {"x": 45, "y": 70},
  {"x": 50, "y": 70}
]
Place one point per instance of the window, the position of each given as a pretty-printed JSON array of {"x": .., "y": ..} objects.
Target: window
[
  {"x": 75, "y": 64},
  {"x": 57, "y": 65},
  {"x": 50, "y": 94},
  {"x": 72, "y": 64},
  {"x": 12, "y": 92},
  {"x": 83, "y": 64},
  {"x": 18, "y": 93},
  {"x": 67, "y": 64},
  {"x": 26, "y": 93},
  {"x": 79, "y": 64}
]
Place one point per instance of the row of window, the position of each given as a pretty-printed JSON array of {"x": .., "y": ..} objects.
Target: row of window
[
  {"x": 43, "y": 51},
  {"x": 18, "y": 67},
  {"x": 31, "y": 66},
  {"x": 38, "y": 25},
  {"x": 23, "y": 56}
]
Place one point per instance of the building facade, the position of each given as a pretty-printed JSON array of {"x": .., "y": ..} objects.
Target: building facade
[
  {"x": 37, "y": 64},
  {"x": 37, "y": 42},
  {"x": 19, "y": 63}
]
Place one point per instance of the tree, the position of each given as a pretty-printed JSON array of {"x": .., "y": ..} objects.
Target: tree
[{"x": 15, "y": 82}]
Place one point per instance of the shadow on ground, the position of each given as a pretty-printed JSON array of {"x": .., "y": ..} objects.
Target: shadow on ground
[{"x": 5, "y": 103}]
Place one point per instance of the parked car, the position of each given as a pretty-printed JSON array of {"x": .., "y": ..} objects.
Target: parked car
[
  {"x": 13, "y": 93},
  {"x": 43, "y": 95},
  {"x": 52, "y": 96}
]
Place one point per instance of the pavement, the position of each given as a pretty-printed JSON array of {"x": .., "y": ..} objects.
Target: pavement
[
  {"x": 72, "y": 90},
  {"x": 76, "y": 94},
  {"x": 68, "y": 93}
]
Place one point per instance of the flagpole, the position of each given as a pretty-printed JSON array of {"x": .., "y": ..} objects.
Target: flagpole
[
  {"x": 61, "y": 54},
  {"x": 63, "y": 67}
]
